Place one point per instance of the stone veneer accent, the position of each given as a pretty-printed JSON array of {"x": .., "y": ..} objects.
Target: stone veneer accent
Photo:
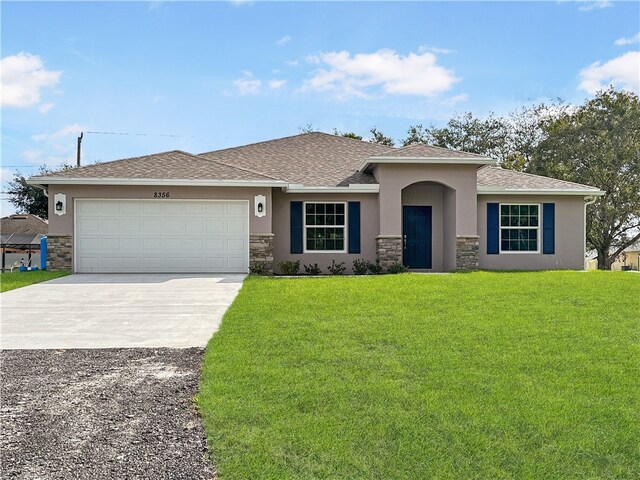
[
  {"x": 261, "y": 250},
  {"x": 467, "y": 248},
  {"x": 388, "y": 250},
  {"x": 59, "y": 252}
]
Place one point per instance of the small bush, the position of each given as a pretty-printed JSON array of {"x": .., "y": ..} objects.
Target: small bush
[
  {"x": 258, "y": 269},
  {"x": 312, "y": 269},
  {"x": 360, "y": 267},
  {"x": 374, "y": 268},
  {"x": 289, "y": 267},
  {"x": 336, "y": 268},
  {"x": 397, "y": 268}
]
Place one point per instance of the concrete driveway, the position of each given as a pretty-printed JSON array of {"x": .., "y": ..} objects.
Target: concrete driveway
[{"x": 116, "y": 310}]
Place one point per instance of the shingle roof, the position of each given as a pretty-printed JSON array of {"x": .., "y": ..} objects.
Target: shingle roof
[
  {"x": 490, "y": 176},
  {"x": 27, "y": 224},
  {"x": 421, "y": 150},
  {"x": 310, "y": 159},
  {"x": 166, "y": 165}
]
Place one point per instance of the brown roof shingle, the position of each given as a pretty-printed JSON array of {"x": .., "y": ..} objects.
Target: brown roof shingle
[
  {"x": 310, "y": 159},
  {"x": 490, "y": 176},
  {"x": 166, "y": 165},
  {"x": 421, "y": 150}
]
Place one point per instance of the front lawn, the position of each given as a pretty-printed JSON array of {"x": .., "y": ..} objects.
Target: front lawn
[
  {"x": 10, "y": 281},
  {"x": 480, "y": 375}
]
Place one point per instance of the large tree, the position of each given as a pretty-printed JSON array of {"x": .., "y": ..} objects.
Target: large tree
[
  {"x": 599, "y": 144},
  {"x": 27, "y": 198}
]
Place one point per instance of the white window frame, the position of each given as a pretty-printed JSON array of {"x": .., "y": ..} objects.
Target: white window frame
[
  {"x": 538, "y": 229},
  {"x": 304, "y": 226}
]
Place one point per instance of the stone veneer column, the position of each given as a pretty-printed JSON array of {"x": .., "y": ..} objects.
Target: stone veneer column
[
  {"x": 389, "y": 250},
  {"x": 467, "y": 248},
  {"x": 59, "y": 252},
  {"x": 261, "y": 250}
]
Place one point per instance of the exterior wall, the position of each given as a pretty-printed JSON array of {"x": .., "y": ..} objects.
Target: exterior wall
[
  {"x": 569, "y": 235},
  {"x": 467, "y": 248},
  {"x": 261, "y": 251},
  {"x": 394, "y": 178},
  {"x": 61, "y": 227},
  {"x": 629, "y": 259},
  {"x": 369, "y": 227}
]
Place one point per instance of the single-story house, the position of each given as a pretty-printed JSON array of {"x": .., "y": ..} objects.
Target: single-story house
[
  {"x": 20, "y": 239},
  {"x": 312, "y": 197},
  {"x": 629, "y": 259}
]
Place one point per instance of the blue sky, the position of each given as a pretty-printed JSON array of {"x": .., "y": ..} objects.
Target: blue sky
[{"x": 221, "y": 74}]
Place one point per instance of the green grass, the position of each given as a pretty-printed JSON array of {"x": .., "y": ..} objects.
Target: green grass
[
  {"x": 462, "y": 376},
  {"x": 11, "y": 281}
]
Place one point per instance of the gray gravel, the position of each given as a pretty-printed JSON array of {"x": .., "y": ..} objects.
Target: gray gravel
[{"x": 113, "y": 413}]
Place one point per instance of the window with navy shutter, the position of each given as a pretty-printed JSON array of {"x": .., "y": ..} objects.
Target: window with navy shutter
[
  {"x": 354, "y": 227},
  {"x": 296, "y": 227},
  {"x": 493, "y": 228},
  {"x": 548, "y": 228}
]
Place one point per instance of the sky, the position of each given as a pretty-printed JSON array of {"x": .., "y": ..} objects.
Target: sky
[{"x": 200, "y": 76}]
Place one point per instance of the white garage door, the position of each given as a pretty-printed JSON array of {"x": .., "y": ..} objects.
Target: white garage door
[{"x": 162, "y": 236}]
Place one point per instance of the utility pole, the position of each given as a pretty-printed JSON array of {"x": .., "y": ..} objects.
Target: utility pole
[{"x": 80, "y": 146}]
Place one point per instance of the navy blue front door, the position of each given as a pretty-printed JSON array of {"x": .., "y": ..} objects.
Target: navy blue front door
[{"x": 416, "y": 236}]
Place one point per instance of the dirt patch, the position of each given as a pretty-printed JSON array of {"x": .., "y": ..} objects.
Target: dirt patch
[{"x": 112, "y": 413}]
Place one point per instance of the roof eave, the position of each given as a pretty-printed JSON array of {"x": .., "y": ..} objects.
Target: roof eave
[
  {"x": 427, "y": 160},
  {"x": 154, "y": 181},
  {"x": 352, "y": 188},
  {"x": 539, "y": 191}
]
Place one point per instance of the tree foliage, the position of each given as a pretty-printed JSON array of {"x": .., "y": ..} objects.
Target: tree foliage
[
  {"x": 378, "y": 137},
  {"x": 599, "y": 144},
  {"x": 28, "y": 198},
  {"x": 347, "y": 134}
]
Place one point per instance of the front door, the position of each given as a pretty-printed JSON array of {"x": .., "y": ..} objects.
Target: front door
[{"x": 416, "y": 236}]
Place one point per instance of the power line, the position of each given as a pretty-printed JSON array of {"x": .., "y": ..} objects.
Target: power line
[{"x": 141, "y": 134}]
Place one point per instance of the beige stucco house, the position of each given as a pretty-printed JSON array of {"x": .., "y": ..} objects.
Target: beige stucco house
[{"x": 312, "y": 197}]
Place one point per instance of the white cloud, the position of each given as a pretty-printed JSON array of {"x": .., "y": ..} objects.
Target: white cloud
[
  {"x": 292, "y": 63},
  {"x": 45, "y": 107},
  {"x": 38, "y": 157},
  {"x": 436, "y": 50},
  {"x": 247, "y": 85},
  {"x": 275, "y": 84},
  {"x": 628, "y": 41},
  {"x": 283, "y": 41},
  {"x": 454, "y": 100},
  {"x": 74, "y": 129},
  {"x": 622, "y": 72},
  {"x": 23, "y": 76},
  {"x": 597, "y": 5},
  {"x": 362, "y": 74}
]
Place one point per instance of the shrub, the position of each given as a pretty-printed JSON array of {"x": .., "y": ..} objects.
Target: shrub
[
  {"x": 258, "y": 269},
  {"x": 312, "y": 269},
  {"x": 397, "y": 268},
  {"x": 289, "y": 267},
  {"x": 374, "y": 268},
  {"x": 360, "y": 267},
  {"x": 336, "y": 268}
]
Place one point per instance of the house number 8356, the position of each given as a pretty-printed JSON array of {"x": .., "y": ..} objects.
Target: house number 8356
[{"x": 161, "y": 195}]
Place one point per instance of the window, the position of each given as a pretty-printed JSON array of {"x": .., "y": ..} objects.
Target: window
[
  {"x": 519, "y": 227},
  {"x": 324, "y": 227}
]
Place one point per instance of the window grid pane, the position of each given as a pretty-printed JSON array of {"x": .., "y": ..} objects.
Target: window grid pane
[
  {"x": 324, "y": 224},
  {"x": 519, "y": 226}
]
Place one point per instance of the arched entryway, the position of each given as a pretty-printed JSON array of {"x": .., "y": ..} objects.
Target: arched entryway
[{"x": 429, "y": 227}]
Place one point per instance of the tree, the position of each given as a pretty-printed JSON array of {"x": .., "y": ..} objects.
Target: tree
[
  {"x": 599, "y": 144},
  {"x": 489, "y": 136},
  {"x": 308, "y": 128},
  {"x": 27, "y": 198},
  {"x": 381, "y": 138},
  {"x": 346, "y": 134}
]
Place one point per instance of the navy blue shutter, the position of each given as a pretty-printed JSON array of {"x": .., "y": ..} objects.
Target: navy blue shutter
[
  {"x": 354, "y": 227},
  {"x": 296, "y": 227},
  {"x": 493, "y": 228},
  {"x": 548, "y": 228}
]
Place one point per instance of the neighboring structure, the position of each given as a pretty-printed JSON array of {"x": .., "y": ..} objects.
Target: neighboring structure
[
  {"x": 21, "y": 234},
  {"x": 629, "y": 259},
  {"x": 312, "y": 197}
]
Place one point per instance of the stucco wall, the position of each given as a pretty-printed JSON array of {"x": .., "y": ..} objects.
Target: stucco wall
[
  {"x": 569, "y": 236},
  {"x": 63, "y": 224},
  {"x": 394, "y": 178},
  {"x": 369, "y": 227}
]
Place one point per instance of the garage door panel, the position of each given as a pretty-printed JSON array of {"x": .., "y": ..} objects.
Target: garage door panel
[{"x": 161, "y": 236}]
